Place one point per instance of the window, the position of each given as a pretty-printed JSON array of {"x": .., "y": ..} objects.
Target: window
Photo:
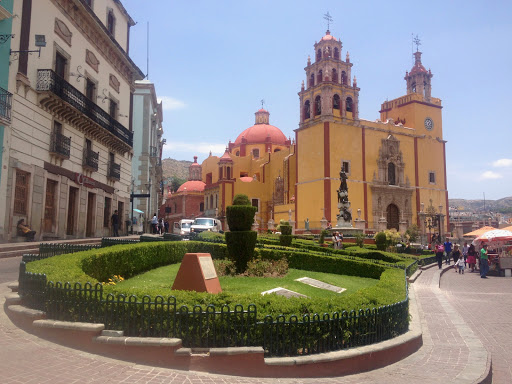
[
  {"x": 255, "y": 203},
  {"x": 318, "y": 105},
  {"x": 90, "y": 89},
  {"x": 312, "y": 80},
  {"x": 201, "y": 207},
  {"x": 336, "y": 102},
  {"x": 345, "y": 166},
  {"x": 106, "y": 212},
  {"x": 112, "y": 109},
  {"x": 307, "y": 110},
  {"x": 343, "y": 78},
  {"x": 237, "y": 153},
  {"x": 21, "y": 193},
  {"x": 209, "y": 178},
  {"x": 88, "y": 145},
  {"x": 319, "y": 54},
  {"x": 320, "y": 77},
  {"x": 334, "y": 75},
  {"x": 57, "y": 127},
  {"x": 256, "y": 153},
  {"x": 60, "y": 65},
  {"x": 336, "y": 53},
  {"x": 349, "y": 104},
  {"x": 432, "y": 177},
  {"x": 111, "y": 21}
]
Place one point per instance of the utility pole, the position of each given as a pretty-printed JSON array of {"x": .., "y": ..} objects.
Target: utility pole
[{"x": 131, "y": 198}]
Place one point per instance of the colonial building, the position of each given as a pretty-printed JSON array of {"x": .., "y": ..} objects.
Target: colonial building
[
  {"x": 147, "y": 149},
  {"x": 69, "y": 150},
  {"x": 395, "y": 166}
]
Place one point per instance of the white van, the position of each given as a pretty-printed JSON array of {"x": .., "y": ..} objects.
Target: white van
[
  {"x": 182, "y": 227},
  {"x": 202, "y": 224}
]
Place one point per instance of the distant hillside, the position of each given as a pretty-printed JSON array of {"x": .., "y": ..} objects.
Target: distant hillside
[
  {"x": 176, "y": 168},
  {"x": 504, "y": 204}
]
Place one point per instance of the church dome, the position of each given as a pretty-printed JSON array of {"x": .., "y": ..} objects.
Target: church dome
[
  {"x": 328, "y": 37},
  {"x": 192, "y": 186},
  {"x": 262, "y": 132}
]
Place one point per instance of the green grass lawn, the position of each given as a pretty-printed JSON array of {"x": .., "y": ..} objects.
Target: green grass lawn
[{"x": 161, "y": 279}]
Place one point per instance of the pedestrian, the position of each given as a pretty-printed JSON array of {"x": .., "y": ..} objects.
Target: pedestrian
[
  {"x": 465, "y": 250},
  {"x": 459, "y": 265},
  {"x": 456, "y": 254},
  {"x": 166, "y": 226},
  {"x": 471, "y": 257},
  {"x": 161, "y": 226},
  {"x": 484, "y": 262},
  {"x": 115, "y": 224},
  {"x": 334, "y": 240},
  {"x": 154, "y": 224},
  {"x": 439, "y": 254},
  {"x": 448, "y": 250}
]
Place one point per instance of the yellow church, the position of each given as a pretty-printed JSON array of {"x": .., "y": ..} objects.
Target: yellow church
[{"x": 396, "y": 165}]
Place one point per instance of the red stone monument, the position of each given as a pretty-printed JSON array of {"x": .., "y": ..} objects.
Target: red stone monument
[{"x": 197, "y": 273}]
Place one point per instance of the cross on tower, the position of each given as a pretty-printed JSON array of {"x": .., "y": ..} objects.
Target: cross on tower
[
  {"x": 417, "y": 41},
  {"x": 262, "y": 102},
  {"x": 328, "y": 18}
]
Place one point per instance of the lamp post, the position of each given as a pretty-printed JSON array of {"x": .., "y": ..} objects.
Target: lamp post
[{"x": 131, "y": 198}]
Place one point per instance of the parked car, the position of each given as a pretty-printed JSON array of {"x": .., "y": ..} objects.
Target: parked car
[
  {"x": 202, "y": 224},
  {"x": 182, "y": 227}
]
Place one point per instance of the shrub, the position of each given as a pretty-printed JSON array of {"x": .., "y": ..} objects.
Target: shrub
[
  {"x": 322, "y": 236},
  {"x": 285, "y": 240},
  {"x": 240, "y": 217},
  {"x": 381, "y": 241},
  {"x": 412, "y": 233},
  {"x": 241, "y": 199},
  {"x": 360, "y": 239},
  {"x": 267, "y": 268},
  {"x": 240, "y": 246}
]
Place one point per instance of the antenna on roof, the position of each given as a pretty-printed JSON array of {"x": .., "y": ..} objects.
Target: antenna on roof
[
  {"x": 328, "y": 18},
  {"x": 147, "y": 51}
]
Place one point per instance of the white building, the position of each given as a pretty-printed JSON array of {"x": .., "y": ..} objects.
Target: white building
[
  {"x": 68, "y": 155},
  {"x": 147, "y": 149}
]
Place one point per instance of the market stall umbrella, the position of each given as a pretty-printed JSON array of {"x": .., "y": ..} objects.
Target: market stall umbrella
[
  {"x": 496, "y": 235},
  {"x": 480, "y": 231},
  {"x": 507, "y": 228}
]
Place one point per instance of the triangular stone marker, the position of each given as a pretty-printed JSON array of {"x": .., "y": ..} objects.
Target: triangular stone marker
[
  {"x": 283, "y": 292},
  {"x": 320, "y": 284}
]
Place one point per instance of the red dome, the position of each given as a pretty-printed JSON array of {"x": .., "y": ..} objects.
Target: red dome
[
  {"x": 192, "y": 186},
  {"x": 328, "y": 37},
  {"x": 258, "y": 134},
  {"x": 246, "y": 179}
]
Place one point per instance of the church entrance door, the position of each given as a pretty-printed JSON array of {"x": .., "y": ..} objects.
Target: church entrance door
[{"x": 392, "y": 216}]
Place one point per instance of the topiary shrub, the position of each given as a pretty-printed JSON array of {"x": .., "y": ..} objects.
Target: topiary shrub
[
  {"x": 381, "y": 241},
  {"x": 241, "y": 240},
  {"x": 285, "y": 238},
  {"x": 324, "y": 233},
  {"x": 359, "y": 239}
]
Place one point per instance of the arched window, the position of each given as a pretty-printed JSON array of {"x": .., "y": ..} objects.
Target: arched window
[
  {"x": 318, "y": 105},
  {"x": 336, "y": 102},
  {"x": 413, "y": 87},
  {"x": 307, "y": 110},
  {"x": 319, "y": 78},
  {"x": 175, "y": 208},
  {"x": 349, "y": 104},
  {"x": 201, "y": 207},
  {"x": 312, "y": 80},
  {"x": 238, "y": 153},
  {"x": 220, "y": 173},
  {"x": 336, "y": 53},
  {"x": 319, "y": 54},
  {"x": 334, "y": 75},
  {"x": 343, "y": 78},
  {"x": 391, "y": 174},
  {"x": 206, "y": 200}
]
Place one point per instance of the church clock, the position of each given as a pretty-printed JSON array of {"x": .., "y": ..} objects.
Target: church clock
[{"x": 429, "y": 124}]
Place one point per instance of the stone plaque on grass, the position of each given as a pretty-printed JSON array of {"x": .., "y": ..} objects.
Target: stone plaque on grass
[{"x": 320, "y": 284}]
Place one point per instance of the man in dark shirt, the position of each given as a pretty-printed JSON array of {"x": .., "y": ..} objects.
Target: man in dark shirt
[
  {"x": 115, "y": 223},
  {"x": 448, "y": 250}
]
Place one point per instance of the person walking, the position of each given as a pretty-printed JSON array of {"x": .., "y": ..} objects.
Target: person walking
[
  {"x": 484, "y": 262},
  {"x": 448, "y": 250},
  {"x": 115, "y": 224},
  {"x": 459, "y": 265},
  {"x": 439, "y": 254},
  {"x": 471, "y": 257},
  {"x": 154, "y": 224},
  {"x": 456, "y": 254},
  {"x": 465, "y": 250}
]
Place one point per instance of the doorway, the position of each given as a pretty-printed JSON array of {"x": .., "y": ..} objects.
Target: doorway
[
  {"x": 72, "y": 216},
  {"x": 120, "y": 213},
  {"x": 89, "y": 228},
  {"x": 392, "y": 216},
  {"x": 49, "y": 206}
]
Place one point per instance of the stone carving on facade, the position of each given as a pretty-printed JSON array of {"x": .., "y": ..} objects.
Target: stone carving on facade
[
  {"x": 63, "y": 31},
  {"x": 92, "y": 60},
  {"x": 114, "y": 82}
]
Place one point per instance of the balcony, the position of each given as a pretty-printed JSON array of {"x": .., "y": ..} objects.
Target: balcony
[
  {"x": 152, "y": 151},
  {"x": 81, "y": 112},
  {"x": 114, "y": 171},
  {"x": 5, "y": 105},
  {"x": 60, "y": 145},
  {"x": 90, "y": 160}
]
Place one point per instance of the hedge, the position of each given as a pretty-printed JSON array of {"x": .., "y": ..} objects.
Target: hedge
[{"x": 241, "y": 248}]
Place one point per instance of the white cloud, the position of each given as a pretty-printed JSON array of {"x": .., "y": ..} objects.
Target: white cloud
[
  {"x": 170, "y": 103},
  {"x": 490, "y": 175},
  {"x": 502, "y": 163},
  {"x": 194, "y": 148}
]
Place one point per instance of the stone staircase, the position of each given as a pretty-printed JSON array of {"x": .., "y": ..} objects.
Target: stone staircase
[{"x": 19, "y": 249}]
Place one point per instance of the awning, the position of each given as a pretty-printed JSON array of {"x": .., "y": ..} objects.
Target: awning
[{"x": 137, "y": 210}]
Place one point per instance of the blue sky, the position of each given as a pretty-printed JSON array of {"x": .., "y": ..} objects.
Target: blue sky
[{"x": 213, "y": 61}]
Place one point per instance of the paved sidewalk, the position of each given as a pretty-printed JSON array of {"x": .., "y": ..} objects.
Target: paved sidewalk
[{"x": 451, "y": 351}]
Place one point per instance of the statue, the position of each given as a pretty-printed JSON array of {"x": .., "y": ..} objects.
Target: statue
[
  {"x": 345, "y": 215},
  {"x": 306, "y": 223}
]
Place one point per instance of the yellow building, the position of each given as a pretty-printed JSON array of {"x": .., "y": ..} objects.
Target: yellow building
[{"x": 395, "y": 166}]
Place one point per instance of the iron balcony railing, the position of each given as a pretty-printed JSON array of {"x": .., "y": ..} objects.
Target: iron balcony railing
[
  {"x": 5, "y": 104},
  {"x": 114, "y": 171},
  {"x": 60, "y": 145},
  {"x": 48, "y": 80},
  {"x": 90, "y": 159},
  {"x": 152, "y": 151}
]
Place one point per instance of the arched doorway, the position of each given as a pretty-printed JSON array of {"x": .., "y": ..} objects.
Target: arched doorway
[{"x": 393, "y": 216}]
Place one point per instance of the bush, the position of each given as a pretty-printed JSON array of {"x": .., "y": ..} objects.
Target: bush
[
  {"x": 240, "y": 246},
  {"x": 322, "y": 236},
  {"x": 285, "y": 240},
  {"x": 240, "y": 217},
  {"x": 412, "y": 233},
  {"x": 241, "y": 199},
  {"x": 381, "y": 241},
  {"x": 360, "y": 239}
]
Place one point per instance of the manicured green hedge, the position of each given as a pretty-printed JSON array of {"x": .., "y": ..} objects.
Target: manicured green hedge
[
  {"x": 285, "y": 240},
  {"x": 240, "y": 217},
  {"x": 240, "y": 246}
]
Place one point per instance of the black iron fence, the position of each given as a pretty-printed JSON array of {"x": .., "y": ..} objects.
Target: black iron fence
[
  {"x": 109, "y": 241},
  {"x": 90, "y": 159},
  {"x": 52, "y": 249},
  {"x": 48, "y": 80},
  {"x": 5, "y": 104},
  {"x": 60, "y": 144},
  {"x": 212, "y": 327}
]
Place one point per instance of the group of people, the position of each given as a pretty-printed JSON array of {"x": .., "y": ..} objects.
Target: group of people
[
  {"x": 337, "y": 240},
  {"x": 158, "y": 226},
  {"x": 462, "y": 258}
]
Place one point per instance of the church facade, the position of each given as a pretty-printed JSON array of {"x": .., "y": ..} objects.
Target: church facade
[{"x": 396, "y": 165}]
